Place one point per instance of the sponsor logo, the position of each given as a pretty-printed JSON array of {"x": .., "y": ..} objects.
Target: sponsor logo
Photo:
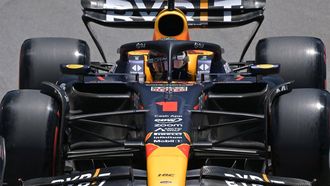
[
  {"x": 169, "y": 106},
  {"x": 160, "y": 130},
  {"x": 169, "y": 89},
  {"x": 166, "y": 175},
  {"x": 168, "y": 134},
  {"x": 168, "y": 120},
  {"x": 148, "y": 15},
  {"x": 198, "y": 45},
  {"x": 85, "y": 176},
  {"x": 165, "y": 182},
  {"x": 164, "y": 141},
  {"x": 168, "y": 125},
  {"x": 168, "y": 137},
  {"x": 283, "y": 88},
  {"x": 264, "y": 178},
  {"x": 168, "y": 130},
  {"x": 140, "y": 45},
  {"x": 168, "y": 116}
]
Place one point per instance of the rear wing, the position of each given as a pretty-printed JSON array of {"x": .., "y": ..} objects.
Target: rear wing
[{"x": 199, "y": 13}]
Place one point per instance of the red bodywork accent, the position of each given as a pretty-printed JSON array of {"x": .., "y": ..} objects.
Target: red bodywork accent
[
  {"x": 54, "y": 150},
  {"x": 148, "y": 136},
  {"x": 171, "y": 106},
  {"x": 196, "y": 107},
  {"x": 184, "y": 148},
  {"x": 239, "y": 78},
  {"x": 100, "y": 78},
  {"x": 187, "y": 136},
  {"x": 150, "y": 148}
]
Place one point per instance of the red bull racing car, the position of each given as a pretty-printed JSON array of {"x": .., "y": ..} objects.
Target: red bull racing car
[{"x": 171, "y": 111}]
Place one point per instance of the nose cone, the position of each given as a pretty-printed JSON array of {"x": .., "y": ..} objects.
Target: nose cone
[
  {"x": 171, "y": 24},
  {"x": 167, "y": 165}
]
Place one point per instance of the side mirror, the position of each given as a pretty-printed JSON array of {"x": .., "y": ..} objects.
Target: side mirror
[
  {"x": 265, "y": 69},
  {"x": 75, "y": 69}
]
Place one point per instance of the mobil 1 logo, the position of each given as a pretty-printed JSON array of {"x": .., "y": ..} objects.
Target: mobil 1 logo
[{"x": 168, "y": 137}]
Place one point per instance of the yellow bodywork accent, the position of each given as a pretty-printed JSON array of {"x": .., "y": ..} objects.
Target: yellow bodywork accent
[
  {"x": 74, "y": 66},
  {"x": 146, "y": 68},
  {"x": 96, "y": 174},
  {"x": 265, "y": 66},
  {"x": 265, "y": 178},
  {"x": 184, "y": 35},
  {"x": 167, "y": 166},
  {"x": 192, "y": 63},
  {"x": 204, "y": 4}
]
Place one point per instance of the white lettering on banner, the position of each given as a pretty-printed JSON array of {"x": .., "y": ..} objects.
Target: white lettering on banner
[
  {"x": 151, "y": 16},
  {"x": 168, "y": 130},
  {"x": 159, "y": 4},
  {"x": 227, "y": 4},
  {"x": 188, "y": 5},
  {"x": 168, "y": 125},
  {"x": 168, "y": 134},
  {"x": 248, "y": 177},
  {"x": 164, "y": 141},
  {"x": 168, "y": 120},
  {"x": 118, "y": 4},
  {"x": 82, "y": 177}
]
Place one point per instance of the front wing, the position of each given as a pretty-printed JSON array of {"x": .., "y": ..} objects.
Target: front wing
[{"x": 208, "y": 175}]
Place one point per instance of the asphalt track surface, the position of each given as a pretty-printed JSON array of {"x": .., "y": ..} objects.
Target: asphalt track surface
[{"x": 23, "y": 19}]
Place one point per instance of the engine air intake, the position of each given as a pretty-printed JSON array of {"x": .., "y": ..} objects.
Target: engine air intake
[{"x": 171, "y": 25}]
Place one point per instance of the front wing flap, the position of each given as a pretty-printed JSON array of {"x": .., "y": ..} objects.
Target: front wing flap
[{"x": 208, "y": 175}]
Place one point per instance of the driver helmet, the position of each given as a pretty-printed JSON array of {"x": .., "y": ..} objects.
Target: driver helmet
[
  {"x": 158, "y": 64},
  {"x": 180, "y": 60}
]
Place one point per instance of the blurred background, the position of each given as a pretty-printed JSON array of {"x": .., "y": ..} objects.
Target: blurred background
[{"x": 23, "y": 19}]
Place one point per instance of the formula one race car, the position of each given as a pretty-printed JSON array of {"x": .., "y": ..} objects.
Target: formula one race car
[{"x": 171, "y": 111}]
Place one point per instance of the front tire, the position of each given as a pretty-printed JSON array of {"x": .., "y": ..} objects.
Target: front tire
[
  {"x": 302, "y": 59},
  {"x": 299, "y": 132},
  {"x": 40, "y": 59},
  {"x": 28, "y": 122}
]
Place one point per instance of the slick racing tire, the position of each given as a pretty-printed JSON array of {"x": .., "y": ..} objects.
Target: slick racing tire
[
  {"x": 28, "y": 122},
  {"x": 299, "y": 134},
  {"x": 302, "y": 59},
  {"x": 40, "y": 59}
]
